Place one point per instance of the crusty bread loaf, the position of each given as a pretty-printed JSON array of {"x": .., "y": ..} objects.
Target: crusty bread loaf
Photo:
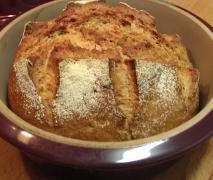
[{"x": 102, "y": 73}]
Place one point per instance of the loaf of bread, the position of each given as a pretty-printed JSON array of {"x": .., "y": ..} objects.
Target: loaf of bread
[{"x": 103, "y": 73}]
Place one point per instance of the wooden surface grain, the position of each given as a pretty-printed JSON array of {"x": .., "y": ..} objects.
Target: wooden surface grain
[
  {"x": 196, "y": 164},
  {"x": 202, "y": 8}
]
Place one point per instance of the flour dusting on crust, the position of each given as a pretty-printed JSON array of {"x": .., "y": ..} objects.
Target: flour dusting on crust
[
  {"x": 156, "y": 78},
  {"x": 80, "y": 89},
  {"x": 27, "y": 88}
]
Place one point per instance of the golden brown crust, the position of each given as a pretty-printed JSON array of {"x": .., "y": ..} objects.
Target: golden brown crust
[{"x": 106, "y": 45}]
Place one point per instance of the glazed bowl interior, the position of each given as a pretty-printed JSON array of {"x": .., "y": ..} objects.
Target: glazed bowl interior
[{"x": 197, "y": 38}]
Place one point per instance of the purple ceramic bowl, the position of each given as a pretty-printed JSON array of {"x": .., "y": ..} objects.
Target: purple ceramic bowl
[{"x": 113, "y": 155}]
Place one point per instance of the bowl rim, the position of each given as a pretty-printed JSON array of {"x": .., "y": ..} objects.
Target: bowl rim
[{"x": 47, "y": 136}]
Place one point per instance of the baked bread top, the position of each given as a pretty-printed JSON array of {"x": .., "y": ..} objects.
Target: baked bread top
[{"x": 104, "y": 73}]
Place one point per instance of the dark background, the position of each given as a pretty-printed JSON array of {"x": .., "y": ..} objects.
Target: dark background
[{"x": 10, "y": 9}]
